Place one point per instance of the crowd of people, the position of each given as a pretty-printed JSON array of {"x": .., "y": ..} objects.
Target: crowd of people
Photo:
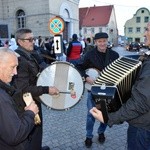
[
  {"x": 20, "y": 65},
  {"x": 71, "y": 51}
]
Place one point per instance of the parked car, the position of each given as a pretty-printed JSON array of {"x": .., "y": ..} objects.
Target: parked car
[
  {"x": 142, "y": 45},
  {"x": 134, "y": 46}
]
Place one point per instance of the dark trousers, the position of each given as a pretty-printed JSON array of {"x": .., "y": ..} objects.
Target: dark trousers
[
  {"x": 138, "y": 139},
  {"x": 35, "y": 138},
  {"x": 91, "y": 120}
]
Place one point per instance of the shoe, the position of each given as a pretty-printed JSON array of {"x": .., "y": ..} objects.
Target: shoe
[
  {"x": 45, "y": 148},
  {"x": 88, "y": 142},
  {"x": 101, "y": 138}
]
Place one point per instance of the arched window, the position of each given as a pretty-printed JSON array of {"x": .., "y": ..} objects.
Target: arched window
[
  {"x": 66, "y": 14},
  {"x": 21, "y": 20}
]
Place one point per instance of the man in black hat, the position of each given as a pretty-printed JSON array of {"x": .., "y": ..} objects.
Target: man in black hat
[{"x": 98, "y": 58}]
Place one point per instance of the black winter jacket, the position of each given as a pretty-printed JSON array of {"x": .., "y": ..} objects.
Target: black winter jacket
[
  {"x": 136, "y": 111},
  {"x": 28, "y": 71},
  {"x": 14, "y": 128},
  {"x": 97, "y": 60}
]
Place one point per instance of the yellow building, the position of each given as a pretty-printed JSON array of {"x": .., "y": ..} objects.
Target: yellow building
[{"x": 134, "y": 28}]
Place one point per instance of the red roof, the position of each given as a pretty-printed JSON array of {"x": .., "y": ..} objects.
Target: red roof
[{"x": 95, "y": 16}]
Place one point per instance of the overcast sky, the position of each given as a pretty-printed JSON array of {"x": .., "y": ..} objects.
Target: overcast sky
[{"x": 124, "y": 9}]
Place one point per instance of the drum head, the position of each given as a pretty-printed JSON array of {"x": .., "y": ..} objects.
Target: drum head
[
  {"x": 93, "y": 73},
  {"x": 67, "y": 79}
]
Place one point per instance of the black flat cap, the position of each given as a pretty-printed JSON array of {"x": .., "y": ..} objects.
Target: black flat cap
[{"x": 100, "y": 35}]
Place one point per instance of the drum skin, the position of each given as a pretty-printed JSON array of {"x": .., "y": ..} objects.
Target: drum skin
[
  {"x": 62, "y": 75},
  {"x": 93, "y": 73}
]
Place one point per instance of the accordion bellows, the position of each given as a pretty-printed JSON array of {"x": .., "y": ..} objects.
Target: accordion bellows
[{"x": 115, "y": 82}]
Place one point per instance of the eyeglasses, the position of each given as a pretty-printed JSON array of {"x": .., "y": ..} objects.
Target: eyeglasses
[{"x": 30, "y": 39}]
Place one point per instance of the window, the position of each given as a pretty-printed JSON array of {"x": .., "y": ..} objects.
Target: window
[
  {"x": 138, "y": 29},
  {"x": 21, "y": 19},
  {"x": 138, "y": 19},
  {"x": 85, "y": 30},
  {"x": 92, "y": 30},
  {"x": 100, "y": 29},
  {"x": 146, "y": 19},
  {"x": 130, "y": 39},
  {"x": 4, "y": 31},
  {"x": 130, "y": 30}
]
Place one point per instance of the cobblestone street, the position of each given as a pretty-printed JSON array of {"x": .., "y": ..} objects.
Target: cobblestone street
[{"x": 65, "y": 130}]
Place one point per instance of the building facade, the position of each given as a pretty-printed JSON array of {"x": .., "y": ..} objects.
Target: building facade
[
  {"x": 134, "y": 28},
  {"x": 35, "y": 14},
  {"x": 98, "y": 19}
]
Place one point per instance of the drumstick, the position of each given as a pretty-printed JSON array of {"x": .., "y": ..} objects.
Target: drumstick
[
  {"x": 72, "y": 93},
  {"x": 27, "y": 97},
  {"x": 49, "y": 57},
  {"x": 63, "y": 92}
]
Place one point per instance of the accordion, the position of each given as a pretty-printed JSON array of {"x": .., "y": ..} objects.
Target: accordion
[{"x": 113, "y": 86}]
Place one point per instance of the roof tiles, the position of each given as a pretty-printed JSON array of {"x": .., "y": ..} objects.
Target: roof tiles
[{"x": 95, "y": 16}]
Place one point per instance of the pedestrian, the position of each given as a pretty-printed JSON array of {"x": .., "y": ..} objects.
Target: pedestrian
[
  {"x": 14, "y": 127},
  {"x": 52, "y": 50},
  {"x": 6, "y": 43},
  {"x": 26, "y": 79},
  {"x": 82, "y": 41},
  {"x": 136, "y": 111},
  {"x": 12, "y": 43},
  {"x": 97, "y": 58},
  {"x": 74, "y": 50},
  {"x": 40, "y": 42},
  {"x": 89, "y": 46}
]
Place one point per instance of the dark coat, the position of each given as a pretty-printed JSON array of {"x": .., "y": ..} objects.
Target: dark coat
[
  {"x": 28, "y": 70},
  {"x": 136, "y": 111},
  {"x": 97, "y": 60},
  {"x": 14, "y": 127}
]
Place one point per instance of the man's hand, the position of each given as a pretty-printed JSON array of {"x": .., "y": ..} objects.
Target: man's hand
[
  {"x": 33, "y": 107},
  {"x": 97, "y": 114},
  {"x": 53, "y": 90},
  {"x": 90, "y": 80}
]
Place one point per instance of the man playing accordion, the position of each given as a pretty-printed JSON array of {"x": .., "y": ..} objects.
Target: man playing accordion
[{"x": 97, "y": 58}]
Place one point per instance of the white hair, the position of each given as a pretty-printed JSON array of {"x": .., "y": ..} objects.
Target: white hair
[{"x": 5, "y": 52}]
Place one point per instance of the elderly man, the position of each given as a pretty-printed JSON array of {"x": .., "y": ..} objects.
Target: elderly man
[
  {"x": 136, "y": 111},
  {"x": 14, "y": 127},
  {"x": 97, "y": 58}
]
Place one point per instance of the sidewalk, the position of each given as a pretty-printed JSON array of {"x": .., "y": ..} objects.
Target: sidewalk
[{"x": 65, "y": 130}]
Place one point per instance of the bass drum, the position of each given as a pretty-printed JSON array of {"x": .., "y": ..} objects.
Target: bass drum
[{"x": 67, "y": 80}]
